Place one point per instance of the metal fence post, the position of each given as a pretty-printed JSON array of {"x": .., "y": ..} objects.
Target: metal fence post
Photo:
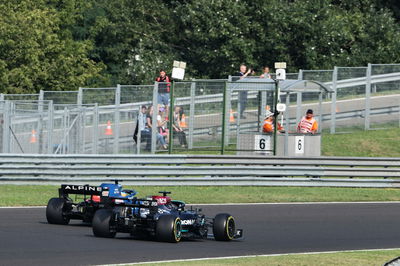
[
  {"x": 333, "y": 104},
  {"x": 154, "y": 119},
  {"x": 65, "y": 131},
  {"x": 171, "y": 118},
  {"x": 263, "y": 106},
  {"x": 117, "y": 119},
  {"x": 300, "y": 75},
  {"x": 299, "y": 100},
  {"x": 191, "y": 113},
  {"x": 95, "y": 128},
  {"x": 40, "y": 121},
  {"x": 79, "y": 99},
  {"x": 238, "y": 144},
  {"x": 139, "y": 133},
  {"x": 276, "y": 99},
  {"x": 228, "y": 108},
  {"x": 368, "y": 97},
  {"x": 83, "y": 128},
  {"x": 6, "y": 127},
  {"x": 320, "y": 97},
  {"x": 287, "y": 124},
  {"x": 50, "y": 127},
  {"x": 224, "y": 118}
]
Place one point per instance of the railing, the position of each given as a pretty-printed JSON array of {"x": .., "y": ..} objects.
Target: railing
[{"x": 201, "y": 170}]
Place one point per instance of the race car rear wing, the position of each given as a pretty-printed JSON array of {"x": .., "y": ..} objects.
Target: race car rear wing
[{"x": 65, "y": 190}]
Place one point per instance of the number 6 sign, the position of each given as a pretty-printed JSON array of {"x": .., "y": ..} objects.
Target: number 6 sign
[
  {"x": 262, "y": 143},
  {"x": 299, "y": 144}
]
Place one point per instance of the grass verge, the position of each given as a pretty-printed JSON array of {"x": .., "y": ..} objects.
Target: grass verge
[
  {"x": 373, "y": 143},
  {"x": 353, "y": 258},
  {"x": 32, "y": 195}
]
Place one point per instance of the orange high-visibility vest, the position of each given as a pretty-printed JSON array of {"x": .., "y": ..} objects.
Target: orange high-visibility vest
[
  {"x": 268, "y": 126},
  {"x": 307, "y": 125}
]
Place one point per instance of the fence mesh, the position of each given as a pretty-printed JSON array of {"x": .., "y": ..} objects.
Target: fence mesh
[{"x": 70, "y": 122}]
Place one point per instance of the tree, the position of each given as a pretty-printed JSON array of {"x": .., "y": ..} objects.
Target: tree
[{"x": 36, "y": 53}]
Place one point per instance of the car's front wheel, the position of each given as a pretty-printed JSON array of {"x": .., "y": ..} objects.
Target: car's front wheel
[
  {"x": 55, "y": 211},
  {"x": 224, "y": 227}
]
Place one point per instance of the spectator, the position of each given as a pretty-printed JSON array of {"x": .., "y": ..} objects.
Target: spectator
[
  {"x": 162, "y": 121},
  {"x": 176, "y": 125},
  {"x": 144, "y": 134},
  {"x": 266, "y": 73},
  {"x": 243, "y": 73},
  {"x": 163, "y": 88},
  {"x": 149, "y": 125},
  {"x": 308, "y": 124},
  {"x": 268, "y": 125}
]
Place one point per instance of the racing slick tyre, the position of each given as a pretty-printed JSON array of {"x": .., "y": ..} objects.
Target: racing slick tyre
[
  {"x": 169, "y": 229},
  {"x": 54, "y": 211},
  {"x": 224, "y": 227},
  {"x": 103, "y": 224}
]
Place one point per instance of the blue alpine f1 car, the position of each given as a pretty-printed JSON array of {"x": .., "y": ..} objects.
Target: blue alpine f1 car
[
  {"x": 161, "y": 218},
  {"x": 62, "y": 209}
]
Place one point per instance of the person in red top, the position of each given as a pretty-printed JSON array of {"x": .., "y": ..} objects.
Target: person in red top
[
  {"x": 268, "y": 125},
  {"x": 308, "y": 124},
  {"x": 163, "y": 88}
]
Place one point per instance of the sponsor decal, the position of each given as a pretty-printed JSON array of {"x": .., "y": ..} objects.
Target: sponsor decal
[
  {"x": 188, "y": 222},
  {"x": 163, "y": 211},
  {"x": 161, "y": 200},
  {"x": 145, "y": 203},
  {"x": 81, "y": 188}
]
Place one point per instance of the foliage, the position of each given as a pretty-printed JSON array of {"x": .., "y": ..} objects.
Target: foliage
[
  {"x": 66, "y": 44},
  {"x": 37, "y": 53}
]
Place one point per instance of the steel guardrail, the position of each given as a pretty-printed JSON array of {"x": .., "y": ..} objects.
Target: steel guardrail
[{"x": 205, "y": 170}]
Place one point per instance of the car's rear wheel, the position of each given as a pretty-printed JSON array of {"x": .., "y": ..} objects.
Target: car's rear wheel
[
  {"x": 103, "y": 224},
  {"x": 169, "y": 229},
  {"x": 224, "y": 227},
  {"x": 55, "y": 210}
]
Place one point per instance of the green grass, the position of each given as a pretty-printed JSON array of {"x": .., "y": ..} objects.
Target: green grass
[
  {"x": 354, "y": 258},
  {"x": 356, "y": 143},
  {"x": 373, "y": 143},
  {"x": 16, "y": 195}
]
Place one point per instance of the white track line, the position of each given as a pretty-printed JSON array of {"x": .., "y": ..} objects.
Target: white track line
[
  {"x": 252, "y": 256},
  {"x": 249, "y": 204}
]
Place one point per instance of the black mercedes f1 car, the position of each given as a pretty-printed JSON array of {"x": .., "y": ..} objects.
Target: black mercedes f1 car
[{"x": 163, "y": 219}]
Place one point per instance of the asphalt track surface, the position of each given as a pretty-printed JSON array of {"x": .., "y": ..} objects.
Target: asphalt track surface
[{"x": 27, "y": 239}]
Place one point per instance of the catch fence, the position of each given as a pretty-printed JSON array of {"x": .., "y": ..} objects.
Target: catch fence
[{"x": 212, "y": 114}]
